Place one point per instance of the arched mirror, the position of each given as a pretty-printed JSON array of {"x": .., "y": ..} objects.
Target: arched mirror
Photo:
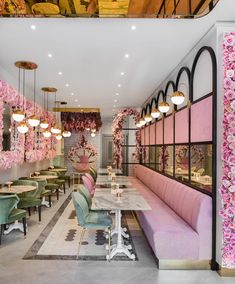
[{"x": 6, "y": 142}]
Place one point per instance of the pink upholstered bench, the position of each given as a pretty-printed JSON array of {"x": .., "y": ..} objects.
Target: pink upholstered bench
[{"x": 179, "y": 226}]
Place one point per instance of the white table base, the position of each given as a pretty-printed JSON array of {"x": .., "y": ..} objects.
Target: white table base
[
  {"x": 45, "y": 203},
  {"x": 15, "y": 226},
  {"x": 120, "y": 247},
  {"x": 115, "y": 230}
]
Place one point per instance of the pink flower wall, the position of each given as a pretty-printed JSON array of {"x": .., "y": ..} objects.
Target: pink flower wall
[
  {"x": 23, "y": 147},
  {"x": 227, "y": 189}
]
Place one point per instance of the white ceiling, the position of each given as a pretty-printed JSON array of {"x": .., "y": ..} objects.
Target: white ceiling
[{"x": 91, "y": 54}]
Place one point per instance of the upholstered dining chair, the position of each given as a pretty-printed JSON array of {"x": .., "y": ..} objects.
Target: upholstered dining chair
[
  {"x": 93, "y": 173},
  {"x": 87, "y": 183},
  {"x": 9, "y": 213},
  {"x": 88, "y": 219},
  {"x": 30, "y": 199},
  {"x": 60, "y": 181},
  {"x": 90, "y": 178},
  {"x": 86, "y": 194},
  {"x": 51, "y": 184}
]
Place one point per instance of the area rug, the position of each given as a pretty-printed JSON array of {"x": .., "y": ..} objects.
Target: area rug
[{"x": 60, "y": 238}]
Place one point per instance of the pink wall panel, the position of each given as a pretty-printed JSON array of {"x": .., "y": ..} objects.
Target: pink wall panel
[
  {"x": 159, "y": 132},
  {"x": 201, "y": 120},
  {"x": 142, "y": 136},
  {"x": 146, "y": 135},
  {"x": 168, "y": 130},
  {"x": 181, "y": 126},
  {"x": 152, "y": 134}
]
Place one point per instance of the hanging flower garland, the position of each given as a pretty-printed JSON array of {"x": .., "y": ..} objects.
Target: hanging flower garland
[
  {"x": 118, "y": 137},
  {"x": 227, "y": 189}
]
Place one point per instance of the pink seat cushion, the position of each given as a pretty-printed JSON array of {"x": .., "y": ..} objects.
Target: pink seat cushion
[{"x": 179, "y": 214}]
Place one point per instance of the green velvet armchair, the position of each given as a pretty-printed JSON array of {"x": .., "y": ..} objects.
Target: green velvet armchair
[
  {"x": 52, "y": 185},
  {"x": 9, "y": 213},
  {"x": 88, "y": 219},
  {"x": 30, "y": 199}
]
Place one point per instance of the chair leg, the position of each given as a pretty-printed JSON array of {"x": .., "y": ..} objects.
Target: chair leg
[
  {"x": 64, "y": 187},
  {"x": 109, "y": 230},
  {"x": 57, "y": 194},
  {"x": 1, "y": 232},
  {"x": 24, "y": 225},
  {"x": 39, "y": 213},
  {"x": 80, "y": 241},
  {"x": 69, "y": 182},
  {"x": 49, "y": 196},
  {"x": 29, "y": 211}
]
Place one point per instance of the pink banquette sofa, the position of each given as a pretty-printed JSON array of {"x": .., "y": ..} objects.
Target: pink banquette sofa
[{"x": 179, "y": 226}]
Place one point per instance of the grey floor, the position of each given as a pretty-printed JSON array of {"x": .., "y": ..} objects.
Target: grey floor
[{"x": 15, "y": 270}]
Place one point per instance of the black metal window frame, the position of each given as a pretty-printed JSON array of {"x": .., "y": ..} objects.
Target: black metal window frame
[{"x": 154, "y": 103}]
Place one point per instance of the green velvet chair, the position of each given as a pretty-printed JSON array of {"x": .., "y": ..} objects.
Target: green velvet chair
[
  {"x": 42, "y": 184},
  {"x": 85, "y": 193},
  {"x": 30, "y": 199},
  {"x": 88, "y": 219},
  {"x": 9, "y": 213},
  {"x": 51, "y": 184},
  {"x": 62, "y": 174}
]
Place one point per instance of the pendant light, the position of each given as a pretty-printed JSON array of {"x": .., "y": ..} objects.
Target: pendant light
[
  {"x": 55, "y": 128},
  {"x": 155, "y": 113},
  {"x": 34, "y": 120},
  {"x": 148, "y": 118},
  {"x": 142, "y": 121},
  {"x": 92, "y": 134},
  {"x": 44, "y": 122},
  {"x": 22, "y": 127},
  {"x": 18, "y": 114},
  {"x": 177, "y": 98},
  {"x": 46, "y": 133},
  {"x": 138, "y": 124},
  {"x": 164, "y": 107},
  {"x": 65, "y": 133},
  {"x": 58, "y": 136}
]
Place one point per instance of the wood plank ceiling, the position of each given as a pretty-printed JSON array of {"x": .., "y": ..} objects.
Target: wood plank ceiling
[{"x": 116, "y": 8}]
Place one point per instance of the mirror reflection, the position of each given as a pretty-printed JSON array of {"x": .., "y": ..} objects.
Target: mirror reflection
[{"x": 6, "y": 143}]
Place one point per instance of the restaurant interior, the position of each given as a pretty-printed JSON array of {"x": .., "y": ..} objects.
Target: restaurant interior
[{"x": 117, "y": 141}]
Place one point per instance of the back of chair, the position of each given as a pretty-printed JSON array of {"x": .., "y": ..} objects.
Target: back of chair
[
  {"x": 35, "y": 193},
  {"x": 88, "y": 184},
  {"x": 93, "y": 172},
  {"x": 81, "y": 208},
  {"x": 7, "y": 204},
  {"x": 90, "y": 178},
  {"x": 86, "y": 194},
  {"x": 48, "y": 173}
]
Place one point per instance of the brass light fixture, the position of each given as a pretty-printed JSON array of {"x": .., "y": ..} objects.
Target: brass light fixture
[
  {"x": 34, "y": 120},
  {"x": 148, "y": 118},
  {"x": 47, "y": 133},
  {"x": 155, "y": 113},
  {"x": 65, "y": 133},
  {"x": 44, "y": 123},
  {"x": 142, "y": 121},
  {"x": 164, "y": 107},
  {"x": 58, "y": 136},
  {"x": 22, "y": 127},
  {"x": 177, "y": 98}
]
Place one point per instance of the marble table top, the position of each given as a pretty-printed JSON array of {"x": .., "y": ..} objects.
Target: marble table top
[
  {"x": 58, "y": 170},
  {"x": 17, "y": 189},
  {"x": 104, "y": 171},
  {"x": 121, "y": 180},
  {"x": 131, "y": 199}
]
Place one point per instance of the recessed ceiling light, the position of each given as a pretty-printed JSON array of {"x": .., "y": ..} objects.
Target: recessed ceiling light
[
  {"x": 72, "y": 94},
  {"x": 126, "y": 55},
  {"x": 33, "y": 27},
  {"x": 119, "y": 85},
  {"x": 115, "y": 101},
  {"x": 76, "y": 100},
  {"x": 114, "y": 105},
  {"x": 67, "y": 85},
  {"x": 60, "y": 73},
  {"x": 133, "y": 27},
  {"x": 49, "y": 55},
  {"x": 117, "y": 94},
  {"x": 122, "y": 73}
]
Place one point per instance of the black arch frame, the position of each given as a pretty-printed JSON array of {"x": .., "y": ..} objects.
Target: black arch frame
[{"x": 175, "y": 85}]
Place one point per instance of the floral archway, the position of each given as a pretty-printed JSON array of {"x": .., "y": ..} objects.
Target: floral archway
[{"x": 118, "y": 137}]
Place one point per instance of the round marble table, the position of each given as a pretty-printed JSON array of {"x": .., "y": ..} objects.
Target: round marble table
[
  {"x": 47, "y": 177},
  {"x": 58, "y": 170}
]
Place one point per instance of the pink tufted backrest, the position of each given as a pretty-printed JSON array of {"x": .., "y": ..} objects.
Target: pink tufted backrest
[
  {"x": 87, "y": 183},
  {"x": 191, "y": 205},
  {"x": 90, "y": 178}
]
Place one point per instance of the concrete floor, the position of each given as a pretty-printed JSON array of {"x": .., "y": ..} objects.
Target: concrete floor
[{"x": 15, "y": 270}]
